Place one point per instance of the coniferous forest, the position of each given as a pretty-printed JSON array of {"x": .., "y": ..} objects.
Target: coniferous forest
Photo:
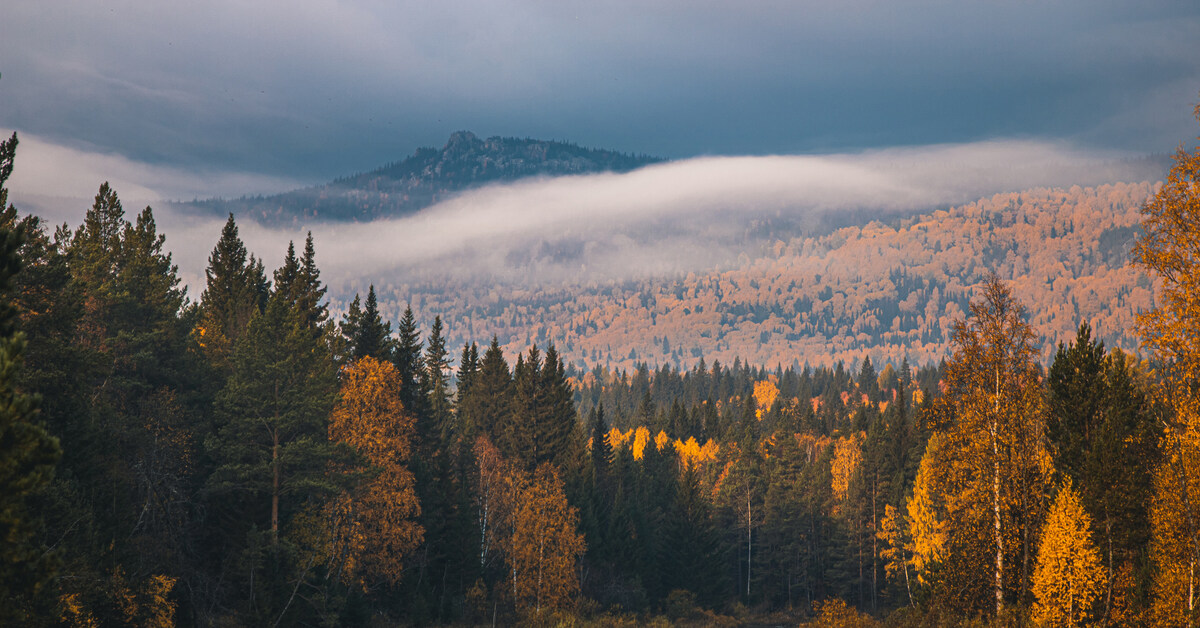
[{"x": 251, "y": 459}]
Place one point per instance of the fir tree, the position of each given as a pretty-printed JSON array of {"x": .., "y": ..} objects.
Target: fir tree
[{"x": 468, "y": 400}]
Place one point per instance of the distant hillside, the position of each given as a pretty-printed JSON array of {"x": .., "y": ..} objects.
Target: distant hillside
[
  {"x": 426, "y": 177},
  {"x": 884, "y": 290}
]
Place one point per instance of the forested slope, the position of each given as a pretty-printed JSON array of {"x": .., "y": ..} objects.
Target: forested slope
[{"x": 884, "y": 290}]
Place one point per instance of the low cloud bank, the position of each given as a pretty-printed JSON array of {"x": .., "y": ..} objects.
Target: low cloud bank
[{"x": 673, "y": 217}]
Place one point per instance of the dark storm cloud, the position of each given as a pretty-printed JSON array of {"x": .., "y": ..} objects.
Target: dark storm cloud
[{"x": 311, "y": 90}]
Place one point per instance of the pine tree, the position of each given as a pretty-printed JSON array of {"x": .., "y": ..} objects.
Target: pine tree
[
  {"x": 272, "y": 446},
  {"x": 28, "y": 454}
]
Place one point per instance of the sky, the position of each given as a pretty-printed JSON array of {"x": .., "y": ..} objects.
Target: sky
[{"x": 182, "y": 100}]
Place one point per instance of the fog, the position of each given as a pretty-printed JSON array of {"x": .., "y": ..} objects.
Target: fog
[{"x": 680, "y": 216}]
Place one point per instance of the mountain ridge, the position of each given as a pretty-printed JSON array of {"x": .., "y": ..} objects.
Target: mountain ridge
[{"x": 429, "y": 175}]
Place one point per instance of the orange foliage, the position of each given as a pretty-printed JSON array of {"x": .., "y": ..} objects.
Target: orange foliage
[
  {"x": 641, "y": 436},
  {"x": 374, "y": 527},
  {"x": 765, "y": 393},
  {"x": 847, "y": 454},
  {"x": 1063, "y": 250},
  {"x": 545, "y": 544},
  {"x": 616, "y": 438},
  {"x": 661, "y": 439}
]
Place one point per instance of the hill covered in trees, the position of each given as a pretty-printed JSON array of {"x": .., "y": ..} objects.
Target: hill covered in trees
[
  {"x": 885, "y": 289},
  {"x": 426, "y": 177}
]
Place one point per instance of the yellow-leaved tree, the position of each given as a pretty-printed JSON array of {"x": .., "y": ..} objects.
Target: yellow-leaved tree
[
  {"x": 545, "y": 544},
  {"x": 892, "y": 533},
  {"x": 765, "y": 393},
  {"x": 373, "y": 528},
  {"x": 994, "y": 471},
  {"x": 1069, "y": 579},
  {"x": 1169, "y": 249},
  {"x": 927, "y": 531}
]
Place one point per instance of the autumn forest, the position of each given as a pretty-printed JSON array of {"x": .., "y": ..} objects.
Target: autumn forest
[{"x": 256, "y": 457}]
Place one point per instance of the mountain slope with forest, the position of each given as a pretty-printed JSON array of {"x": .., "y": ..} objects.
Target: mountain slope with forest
[
  {"x": 426, "y": 177},
  {"x": 884, "y": 290}
]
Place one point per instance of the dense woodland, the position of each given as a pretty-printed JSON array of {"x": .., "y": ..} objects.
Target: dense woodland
[
  {"x": 245, "y": 459},
  {"x": 886, "y": 290}
]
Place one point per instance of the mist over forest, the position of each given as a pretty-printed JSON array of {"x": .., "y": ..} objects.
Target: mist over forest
[{"x": 605, "y": 315}]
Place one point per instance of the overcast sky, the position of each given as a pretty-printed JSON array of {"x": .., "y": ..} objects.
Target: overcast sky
[{"x": 248, "y": 97}]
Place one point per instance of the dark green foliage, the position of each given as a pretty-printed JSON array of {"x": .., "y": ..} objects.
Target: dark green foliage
[
  {"x": 236, "y": 287},
  {"x": 1075, "y": 384},
  {"x": 365, "y": 332},
  {"x": 692, "y": 546},
  {"x": 1103, "y": 435},
  {"x": 210, "y": 468},
  {"x": 28, "y": 454},
  {"x": 409, "y": 365},
  {"x": 435, "y": 381},
  {"x": 271, "y": 448},
  {"x": 493, "y": 389}
]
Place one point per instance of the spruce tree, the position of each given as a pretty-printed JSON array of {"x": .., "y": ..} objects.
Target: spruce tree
[
  {"x": 1077, "y": 392},
  {"x": 494, "y": 388},
  {"x": 349, "y": 330},
  {"x": 468, "y": 399},
  {"x": 365, "y": 331},
  {"x": 374, "y": 334},
  {"x": 409, "y": 366},
  {"x": 435, "y": 382},
  {"x": 236, "y": 289},
  {"x": 556, "y": 425}
]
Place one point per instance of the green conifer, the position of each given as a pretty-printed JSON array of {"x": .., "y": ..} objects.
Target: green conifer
[{"x": 27, "y": 453}]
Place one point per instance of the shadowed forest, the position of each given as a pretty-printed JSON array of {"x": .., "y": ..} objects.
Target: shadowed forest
[{"x": 251, "y": 459}]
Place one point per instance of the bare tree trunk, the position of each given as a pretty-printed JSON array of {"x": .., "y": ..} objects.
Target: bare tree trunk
[
  {"x": 907, "y": 586},
  {"x": 996, "y": 502}
]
